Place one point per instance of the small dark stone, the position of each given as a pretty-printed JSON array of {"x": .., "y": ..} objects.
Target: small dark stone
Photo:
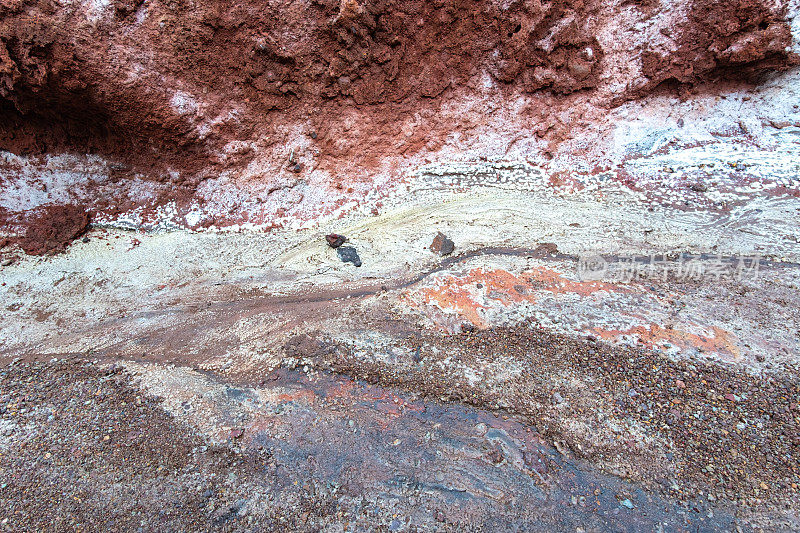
[
  {"x": 348, "y": 254},
  {"x": 417, "y": 356},
  {"x": 297, "y": 168},
  {"x": 442, "y": 245},
  {"x": 335, "y": 240},
  {"x": 547, "y": 248},
  {"x": 85, "y": 239},
  {"x": 313, "y": 134}
]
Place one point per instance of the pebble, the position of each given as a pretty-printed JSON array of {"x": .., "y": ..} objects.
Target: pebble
[
  {"x": 335, "y": 240},
  {"x": 442, "y": 245},
  {"x": 348, "y": 254}
]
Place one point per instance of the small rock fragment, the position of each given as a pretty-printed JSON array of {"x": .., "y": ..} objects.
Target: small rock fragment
[
  {"x": 417, "y": 356},
  {"x": 626, "y": 503},
  {"x": 348, "y": 254},
  {"x": 335, "y": 240},
  {"x": 442, "y": 245},
  {"x": 561, "y": 447},
  {"x": 547, "y": 248},
  {"x": 237, "y": 433}
]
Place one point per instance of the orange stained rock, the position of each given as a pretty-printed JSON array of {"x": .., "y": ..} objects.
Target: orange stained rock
[
  {"x": 722, "y": 342},
  {"x": 461, "y": 293}
]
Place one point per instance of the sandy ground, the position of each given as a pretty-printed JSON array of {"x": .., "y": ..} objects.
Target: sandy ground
[{"x": 309, "y": 455}]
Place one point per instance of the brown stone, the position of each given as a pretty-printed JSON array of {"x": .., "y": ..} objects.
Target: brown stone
[{"x": 442, "y": 245}]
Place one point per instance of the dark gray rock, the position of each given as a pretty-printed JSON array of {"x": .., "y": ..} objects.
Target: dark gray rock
[{"x": 348, "y": 254}]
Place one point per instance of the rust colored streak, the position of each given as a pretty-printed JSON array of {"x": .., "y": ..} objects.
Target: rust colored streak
[
  {"x": 722, "y": 342},
  {"x": 304, "y": 396},
  {"x": 462, "y": 294}
]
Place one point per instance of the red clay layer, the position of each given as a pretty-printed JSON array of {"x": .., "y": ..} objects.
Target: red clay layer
[{"x": 108, "y": 86}]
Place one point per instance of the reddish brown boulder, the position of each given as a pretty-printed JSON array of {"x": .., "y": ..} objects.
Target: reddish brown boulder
[{"x": 52, "y": 228}]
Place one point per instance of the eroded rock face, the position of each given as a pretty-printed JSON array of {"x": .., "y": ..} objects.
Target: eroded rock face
[
  {"x": 168, "y": 75},
  {"x": 719, "y": 39},
  {"x": 274, "y": 96}
]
